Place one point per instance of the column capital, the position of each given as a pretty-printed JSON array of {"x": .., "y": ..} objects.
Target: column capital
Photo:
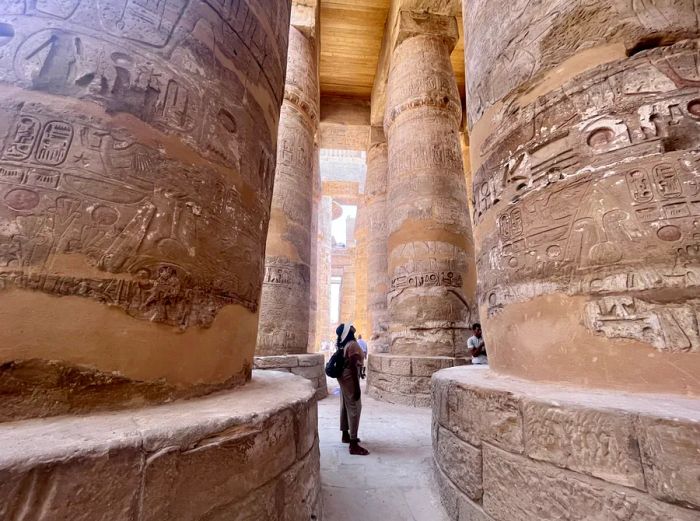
[
  {"x": 305, "y": 17},
  {"x": 412, "y": 23}
]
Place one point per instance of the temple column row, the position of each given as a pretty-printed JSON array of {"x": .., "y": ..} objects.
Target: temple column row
[{"x": 430, "y": 298}]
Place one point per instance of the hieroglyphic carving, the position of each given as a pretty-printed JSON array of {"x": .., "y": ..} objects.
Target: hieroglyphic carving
[
  {"x": 286, "y": 294},
  {"x": 163, "y": 61},
  {"x": 427, "y": 223},
  {"x": 617, "y": 215},
  {"x": 668, "y": 328},
  {"x": 527, "y": 40},
  {"x": 377, "y": 255},
  {"x": 74, "y": 189}
]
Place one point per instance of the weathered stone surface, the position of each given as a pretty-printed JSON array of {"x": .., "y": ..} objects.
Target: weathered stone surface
[
  {"x": 311, "y": 360},
  {"x": 431, "y": 299},
  {"x": 519, "y": 489},
  {"x": 461, "y": 463},
  {"x": 671, "y": 455},
  {"x": 286, "y": 292},
  {"x": 406, "y": 374},
  {"x": 251, "y": 454},
  {"x": 585, "y": 199},
  {"x": 269, "y": 362},
  {"x": 596, "y": 442},
  {"x": 230, "y": 466},
  {"x": 458, "y": 506},
  {"x": 396, "y": 365},
  {"x": 526, "y": 40},
  {"x": 375, "y": 204},
  {"x": 84, "y": 487},
  {"x": 400, "y": 384},
  {"x": 137, "y": 147},
  {"x": 484, "y": 415},
  {"x": 426, "y": 366},
  {"x": 310, "y": 366},
  {"x": 585, "y": 446}
]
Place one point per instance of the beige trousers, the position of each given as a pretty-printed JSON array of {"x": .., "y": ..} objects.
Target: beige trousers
[{"x": 350, "y": 409}]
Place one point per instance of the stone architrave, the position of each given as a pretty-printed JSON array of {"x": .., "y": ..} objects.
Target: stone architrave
[
  {"x": 285, "y": 301},
  {"x": 586, "y": 199},
  {"x": 137, "y": 153},
  {"x": 430, "y": 263},
  {"x": 377, "y": 269}
]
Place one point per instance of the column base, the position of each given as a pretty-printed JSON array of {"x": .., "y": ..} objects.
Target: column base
[
  {"x": 309, "y": 365},
  {"x": 405, "y": 380},
  {"x": 246, "y": 454},
  {"x": 507, "y": 449}
]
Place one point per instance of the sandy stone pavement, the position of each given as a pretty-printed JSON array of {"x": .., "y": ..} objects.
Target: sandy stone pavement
[{"x": 395, "y": 482}]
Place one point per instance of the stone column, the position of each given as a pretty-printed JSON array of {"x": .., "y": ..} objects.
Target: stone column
[
  {"x": 585, "y": 129},
  {"x": 314, "y": 343},
  {"x": 361, "y": 283},
  {"x": 378, "y": 276},
  {"x": 137, "y": 152},
  {"x": 431, "y": 298},
  {"x": 283, "y": 332},
  {"x": 132, "y": 140},
  {"x": 585, "y": 198},
  {"x": 325, "y": 239}
]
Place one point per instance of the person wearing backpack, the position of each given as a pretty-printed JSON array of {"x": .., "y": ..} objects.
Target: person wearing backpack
[{"x": 349, "y": 381}]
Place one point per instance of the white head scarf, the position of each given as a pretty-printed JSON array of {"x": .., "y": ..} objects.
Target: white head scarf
[{"x": 346, "y": 331}]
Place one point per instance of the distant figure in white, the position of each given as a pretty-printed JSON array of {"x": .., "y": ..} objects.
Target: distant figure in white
[{"x": 476, "y": 346}]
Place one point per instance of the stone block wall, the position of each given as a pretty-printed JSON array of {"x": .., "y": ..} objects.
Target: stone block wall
[
  {"x": 310, "y": 366},
  {"x": 405, "y": 380},
  {"x": 246, "y": 455},
  {"x": 509, "y": 450}
]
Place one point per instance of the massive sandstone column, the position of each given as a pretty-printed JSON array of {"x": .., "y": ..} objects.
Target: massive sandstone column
[
  {"x": 324, "y": 329},
  {"x": 430, "y": 261},
  {"x": 361, "y": 272},
  {"x": 285, "y": 308},
  {"x": 586, "y": 195},
  {"x": 585, "y": 132},
  {"x": 137, "y": 153},
  {"x": 284, "y": 311},
  {"x": 377, "y": 276},
  {"x": 137, "y": 149}
]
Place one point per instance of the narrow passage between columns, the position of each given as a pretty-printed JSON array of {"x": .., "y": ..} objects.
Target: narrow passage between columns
[{"x": 396, "y": 481}]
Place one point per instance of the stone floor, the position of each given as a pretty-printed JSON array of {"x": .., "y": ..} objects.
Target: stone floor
[{"x": 395, "y": 482}]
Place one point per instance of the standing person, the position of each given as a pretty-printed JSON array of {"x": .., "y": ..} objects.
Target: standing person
[
  {"x": 363, "y": 345},
  {"x": 476, "y": 346},
  {"x": 349, "y": 381}
]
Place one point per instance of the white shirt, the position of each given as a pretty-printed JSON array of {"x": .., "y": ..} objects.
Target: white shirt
[
  {"x": 477, "y": 343},
  {"x": 363, "y": 345}
]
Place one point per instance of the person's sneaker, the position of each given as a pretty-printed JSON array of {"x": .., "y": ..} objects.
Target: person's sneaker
[
  {"x": 346, "y": 437},
  {"x": 356, "y": 450}
]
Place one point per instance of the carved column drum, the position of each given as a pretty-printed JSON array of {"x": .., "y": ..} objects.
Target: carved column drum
[
  {"x": 585, "y": 131},
  {"x": 137, "y": 153},
  {"x": 430, "y": 261},
  {"x": 377, "y": 276},
  {"x": 284, "y": 313}
]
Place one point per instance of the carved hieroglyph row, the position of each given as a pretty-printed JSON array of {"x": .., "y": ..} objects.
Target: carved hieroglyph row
[
  {"x": 284, "y": 312},
  {"x": 428, "y": 231},
  {"x": 167, "y": 233},
  {"x": 518, "y": 41},
  {"x": 595, "y": 190}
]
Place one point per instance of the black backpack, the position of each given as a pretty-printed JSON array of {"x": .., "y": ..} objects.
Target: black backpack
[{"x": 336, "y": 363}]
